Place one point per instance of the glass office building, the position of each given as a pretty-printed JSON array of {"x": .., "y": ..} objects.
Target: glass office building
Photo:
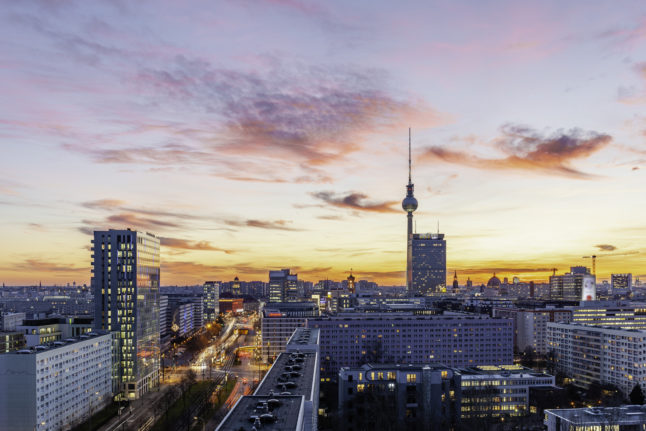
[
  {"x": 126, "y": 295},
  {"x": 428, "y": 263}
]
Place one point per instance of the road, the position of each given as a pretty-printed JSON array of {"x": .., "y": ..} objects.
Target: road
[{"x": 204, "y": 366}]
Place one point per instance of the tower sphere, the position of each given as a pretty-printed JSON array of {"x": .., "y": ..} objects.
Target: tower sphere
[{"x": 409, "y": 204}]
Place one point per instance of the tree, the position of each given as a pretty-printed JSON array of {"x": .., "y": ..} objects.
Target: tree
[{"x": 636, "y": 395}]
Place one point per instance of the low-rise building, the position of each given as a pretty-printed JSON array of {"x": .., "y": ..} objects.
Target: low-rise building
[
  {"x": 51, "y": 329},
  {"x": 231, "y": 305},
  {"x": 496, "y": 391},
  {"x": 10, "y": 341},
  {"x": 624, "y": 418}
]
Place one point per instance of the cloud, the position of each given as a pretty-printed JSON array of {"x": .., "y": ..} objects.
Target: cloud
[
  {"x": 499, "y": 270},
  {"x": 355, "y": 201},
  {"x": 632, "y": 95},
  {"x": 606, "y": 247},
  {"x": 381, "y": 274},
  {"x": 191, "y": 245},
  {"x": 263, "y": 224},
  {"x": 310, "y": 114},
  {"x": 104, "y": 204},
  {"x": 527, "y": 149},
  {"x": 193, "y": 268},
  {"x": 626, "y": 35},
  {"x": 37, "y": 265}
]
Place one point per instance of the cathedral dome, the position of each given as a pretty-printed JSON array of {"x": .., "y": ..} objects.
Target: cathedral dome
[{"x": 494, "y": 281}]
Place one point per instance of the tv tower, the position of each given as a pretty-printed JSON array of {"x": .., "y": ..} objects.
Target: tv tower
[{"x": 409, "y": 204}]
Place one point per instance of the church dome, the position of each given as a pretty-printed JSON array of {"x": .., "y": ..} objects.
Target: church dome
[{"x": 493, "y": 281}]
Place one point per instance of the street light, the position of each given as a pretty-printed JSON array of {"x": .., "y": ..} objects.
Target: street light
[{"x": 195, "y": 418}]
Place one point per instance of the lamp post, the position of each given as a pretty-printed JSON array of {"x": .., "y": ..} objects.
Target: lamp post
[{"x": 200, "y": 420}]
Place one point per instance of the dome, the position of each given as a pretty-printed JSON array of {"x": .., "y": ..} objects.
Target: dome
[
  {"x": 409, "y": 204},
  {"x": 493, "y": 281}
]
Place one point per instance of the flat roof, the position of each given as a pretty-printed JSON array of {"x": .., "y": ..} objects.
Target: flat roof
[
  {"x": 505, "y": 371},
  {"x": 56, "y": 344},
  {"x": 304, "y": 337},
  {"x": 624, "y": 415},
  {"x": 274, "y": 413},
  {"x": 292, "y": 372}
]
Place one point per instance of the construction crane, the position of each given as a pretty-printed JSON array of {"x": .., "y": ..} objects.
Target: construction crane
[{"x": 594, "y": 263}]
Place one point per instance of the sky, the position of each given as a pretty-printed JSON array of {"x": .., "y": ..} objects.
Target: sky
[{"x": 258, "y": 135}]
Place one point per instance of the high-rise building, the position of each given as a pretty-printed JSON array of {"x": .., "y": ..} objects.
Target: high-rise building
[
  {"x": 621, "y": 281},
  {"x": 211, "y": 296},
  {"x": 429, "y": 263},
  {"x": 409, "y": 204},
  {"x": 283, "y": 286},
  {"x": 577, "y": 285},
  {"x": 126, "y": 296}
]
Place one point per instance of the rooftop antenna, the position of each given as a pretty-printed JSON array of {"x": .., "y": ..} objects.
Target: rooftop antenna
[
  {"x": 409, "y": 163},
  {"x": 438, "y": 227},
  {"x": 415, "y": 226}
]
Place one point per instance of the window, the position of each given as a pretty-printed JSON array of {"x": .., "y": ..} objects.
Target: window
[{"x": 411, "y": 378}]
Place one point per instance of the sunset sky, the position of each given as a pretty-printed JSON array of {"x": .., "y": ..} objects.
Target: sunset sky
[{"x": 257, "y": 135}]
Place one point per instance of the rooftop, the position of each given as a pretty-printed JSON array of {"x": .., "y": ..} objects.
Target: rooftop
[
  {"x": 624, "y": 415},
  {"x": 502, "y": 370},
  {"x": 292, "y": 374},
  {"x": 267, "y": 413},
  {"x": 56, "y": 344},
  {"x": 305, "y": 337}
]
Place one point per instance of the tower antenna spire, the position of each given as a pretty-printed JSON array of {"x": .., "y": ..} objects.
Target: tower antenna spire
[{"x": 409, "y": 162}]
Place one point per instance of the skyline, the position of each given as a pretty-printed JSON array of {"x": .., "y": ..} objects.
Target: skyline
[{"x": 252, "y": 136}]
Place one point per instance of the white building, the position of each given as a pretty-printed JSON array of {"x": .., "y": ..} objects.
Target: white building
[
  {"x": 11, "y": 320},
  {"x": 599, "y": 354},
  {"x": 53, "y": 388},
  {"x": 530, "y": 325},
  {"x": 624, "y": 418},
  {"x": 505, "y": 390}
]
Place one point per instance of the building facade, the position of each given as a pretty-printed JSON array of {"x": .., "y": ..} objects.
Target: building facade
[
  {"x": 577, "y": 285},
  {"x": 624, "y": 418},
  {"x": 352, "y": 339},
  {"x": 621, "y": 282},
  {"x": 498, "y": 390},
  {"x": 283, "y": 286},
  {"x": 126, "y": 274},
  {"x": 593, "y": 354},
  {"x": 50, "y": 388},
  {"x": 210, "y": 297},
  {"x": 278, "y": 322},
  {"x": 428, "y": 263},
  {"x": 419, "y": 397},
  {"x": 11, "y": 320},
  {"x": 530, "y": 325}
]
